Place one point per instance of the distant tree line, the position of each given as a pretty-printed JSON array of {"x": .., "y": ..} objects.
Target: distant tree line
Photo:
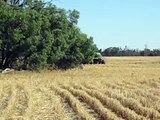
[
  {"x": 117, "y": 51},
  {"x": 35, "y": 35}
]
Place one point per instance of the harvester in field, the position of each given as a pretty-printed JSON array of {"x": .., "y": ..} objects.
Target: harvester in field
[{"x": 98, "y": 59}]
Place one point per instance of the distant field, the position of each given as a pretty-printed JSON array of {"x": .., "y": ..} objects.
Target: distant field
[{"x": 125, "y": 88}]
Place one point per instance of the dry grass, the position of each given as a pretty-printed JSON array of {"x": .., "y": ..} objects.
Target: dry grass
[{"x": 125, "y": 88}]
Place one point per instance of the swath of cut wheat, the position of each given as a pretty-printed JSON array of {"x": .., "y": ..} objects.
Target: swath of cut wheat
[{"x": 125, "y": 88}]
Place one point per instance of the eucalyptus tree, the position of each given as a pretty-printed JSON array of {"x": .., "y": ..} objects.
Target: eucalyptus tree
[{"x": 37, "y": 35}]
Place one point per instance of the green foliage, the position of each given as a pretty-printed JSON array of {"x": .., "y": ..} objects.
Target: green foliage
[
  {"x": 116, "y": 51},
  {"x": 41, "y": 35}
]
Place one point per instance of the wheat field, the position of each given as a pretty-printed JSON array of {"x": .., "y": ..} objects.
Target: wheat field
[{"x": 125, "y": 88}]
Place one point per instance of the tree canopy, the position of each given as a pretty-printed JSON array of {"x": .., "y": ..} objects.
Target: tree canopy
[
  {"x": 35, "y": 35},
  {"x": 117, "y": 51}
]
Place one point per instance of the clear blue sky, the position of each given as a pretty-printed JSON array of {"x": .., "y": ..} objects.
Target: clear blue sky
[{"x": 118, "y": 22}]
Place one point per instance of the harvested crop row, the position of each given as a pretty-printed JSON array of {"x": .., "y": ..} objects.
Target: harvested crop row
[
  {"x": 90, "y": 110},
  {"x": 68, "y": 109},
  {"x": 146, "y": 94},
  {"x": 114, "y": 86},
  {"x": 45, "y": 105},
  {"x": 153, "y": 83},
  {"x": 74, "y": 103},
  {"x": 94, "y": 103},
  {"x": 153, "y": 91},
  {"x": 134, "y": 105},
  {"x": 144, "y": 101},
  {"x": 153, "y": 87},
  {"x": 139, "y": 92},
  {"x": 19, "y": 104},
  {"x": 4, "y": 98},
  {"x": 113, "y": 104},
  {"x": 128, "y": 86},
  {"x": 16, "y": 104}
]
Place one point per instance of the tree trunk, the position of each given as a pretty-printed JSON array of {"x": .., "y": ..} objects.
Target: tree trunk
[
  {"x": 6, "y": 59},
  {"x": 2, "y": 58}
]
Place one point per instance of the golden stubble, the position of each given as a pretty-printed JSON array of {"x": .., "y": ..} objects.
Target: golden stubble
[{"x": 124, "y": 88}]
